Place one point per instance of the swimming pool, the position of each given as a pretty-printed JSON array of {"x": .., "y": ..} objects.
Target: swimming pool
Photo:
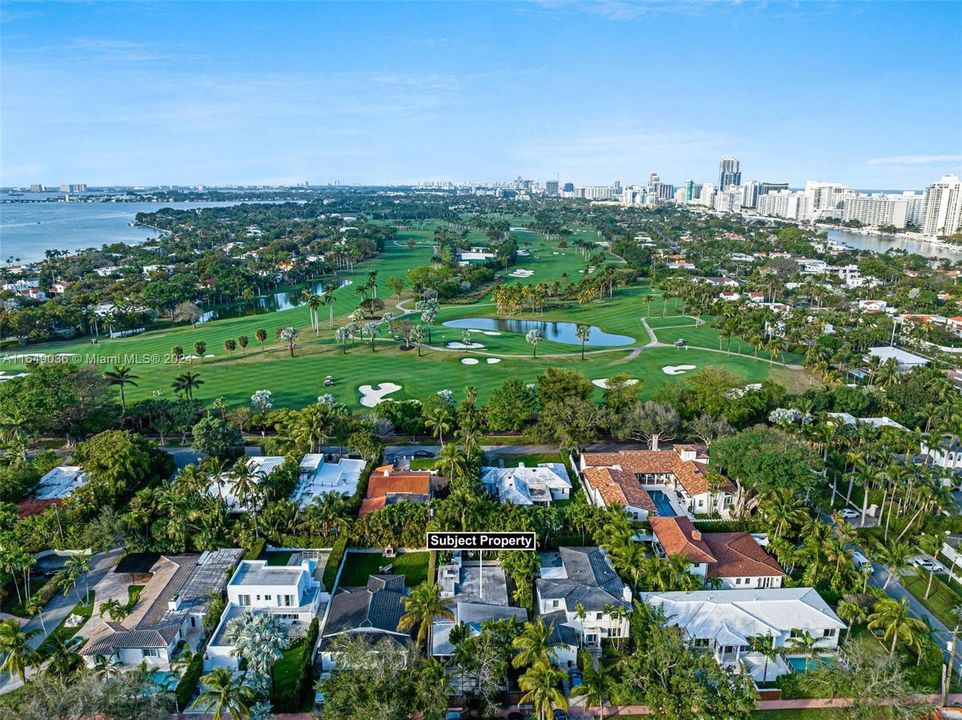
[
  {"x": 164, "y": 681},
  {"x": 662, "y": 502},
  {"x": 798, "y": 663}
]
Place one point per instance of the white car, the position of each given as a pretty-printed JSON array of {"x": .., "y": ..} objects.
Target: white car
[
  {"x": 927, "y": 564},
  {"x": 849, "y": 514}
]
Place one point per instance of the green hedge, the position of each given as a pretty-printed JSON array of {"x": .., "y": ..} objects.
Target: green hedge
[
  {"x": 303, "y": 541},
  {"x": 188, "y": 681},
  {"x": 333, "y": 563},
  {"x": 728, "y": 526}
]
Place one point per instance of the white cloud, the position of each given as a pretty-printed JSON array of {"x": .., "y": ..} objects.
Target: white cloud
[{"x": 915, "y": 160}]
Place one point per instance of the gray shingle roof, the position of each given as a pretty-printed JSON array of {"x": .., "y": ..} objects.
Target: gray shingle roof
[
  {"x": 378, "y": 606},
  {"x": 589, "y": 580}
]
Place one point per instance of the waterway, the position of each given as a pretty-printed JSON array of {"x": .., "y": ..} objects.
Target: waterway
[{"x": 884, "y": 243}]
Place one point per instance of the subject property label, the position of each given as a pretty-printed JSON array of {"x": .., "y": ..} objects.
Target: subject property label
[{"x": 482, "y": 541}]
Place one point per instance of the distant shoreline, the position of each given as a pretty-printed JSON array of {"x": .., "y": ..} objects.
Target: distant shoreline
[{"x": 916, "y": 237}]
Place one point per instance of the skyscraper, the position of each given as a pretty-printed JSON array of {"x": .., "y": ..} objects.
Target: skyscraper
[
  {"x": 729, "y": 173},
  {"x": 689, "y": 191},
  {"x": 551, "y": 187},
  {"x": 943, "y": 207}
]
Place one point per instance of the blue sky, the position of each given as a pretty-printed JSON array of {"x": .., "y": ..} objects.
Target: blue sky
[{"x": 144, "y": 93}]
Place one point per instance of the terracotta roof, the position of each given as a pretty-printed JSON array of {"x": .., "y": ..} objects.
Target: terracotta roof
[
  {"x": 618, "y": 487},
  {"x": 691, "y": 475},
  {"x": 734, "y": 554},
  {"x": 677, "y": 536},
  {"x": 386, "y": 481}
]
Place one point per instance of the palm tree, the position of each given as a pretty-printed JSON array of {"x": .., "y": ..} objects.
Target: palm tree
[
  {"x": 260, "y": 640},
  {"x": 289, "y": 335},
  {"x": 439, "y": 420},
  {"x": 764, "y": 645},
  {"x": 534, "y": 644},
  {"x": 534, "y": 337},
  {"x": 596, "y": 687},
  {"x": 421, "y": 607},
  {"x": 186, "y": 383},
  {"x": 16, "y": 650},
  {"x": 893, "y": 618},
  {"x": 79, "y": 566},
  {"x": 893, "y": 558},
  {"x": 121, "y": 376},
  {"x": 313, "y": 303},
  {"x": 805, "y": 644},
  {"x": 63, "y": 660},
  {"x": 540, "y": 684},
  {"x": 225, "y": 695},
  {"x": 583, "y": 332},
  {"x": 247, "y": 487},
  {"x": 329, "y": 300},
  {"x": 851, "y": 612}
]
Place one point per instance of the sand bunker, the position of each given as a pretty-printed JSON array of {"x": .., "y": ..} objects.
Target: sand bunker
[
  {"x": 493, "y": 361},
  {"x": 521, "y": 273},
  {"x": 490, "y": 332},
  {"x": 465, "y": 346},
  {"x": 469, "y": 361},
  {"x": 603, "y": 382},
  {"x": 677, "y": 369},
  {"x": 371, "y": 395}
]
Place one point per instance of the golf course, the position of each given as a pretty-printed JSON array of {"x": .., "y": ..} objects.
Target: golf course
[{"x": 634, "y": 333}]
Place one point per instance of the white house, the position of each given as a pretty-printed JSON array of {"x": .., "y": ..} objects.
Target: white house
[
  {"x": 60, "y": 482},
  {"x": 876, "y": 423},
  {"x": 904, "y": 360},
  {"x": 292, "y": 593},
  {"x": 318, "y": 477},
  {"x": 725, "y": 621},
  {"x": 538, "y": 485},
  {"x": 581, "y": 579},
  {"x": 260, "y": 466}
]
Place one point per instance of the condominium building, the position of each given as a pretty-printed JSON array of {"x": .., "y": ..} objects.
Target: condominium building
[
  {"x": 785, "y": 204},
  {"x": 876, "y": 210},
  {"x": 943, "y": 207},
  {"x": 729, "y": 172}
]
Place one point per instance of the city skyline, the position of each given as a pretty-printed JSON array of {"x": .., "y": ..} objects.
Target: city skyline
[{"x": 183, "y": 94}]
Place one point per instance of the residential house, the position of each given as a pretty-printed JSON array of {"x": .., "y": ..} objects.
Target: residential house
[
  {"x": 388, "y": 486},
  {"x": 61, "y": 482},
  {"x": 173, "y": 603},
  {"x": 734, "y": 560},
  {"x": 260, "y": 466},
  {"x": 538, "y": 485},
  {"x": 671, "y": 482},
  {"x": 319, "y": 477},
  {"x": 371, "y": 612},
  {"x": 478, "y": 592},
  {"x": 905, "y": 361},
  {"x": 876, "y": 423},
  {"x": 725, "y": 621},
  {"x": 579, "y": 593},
  {"x": 292, "y": 593}
]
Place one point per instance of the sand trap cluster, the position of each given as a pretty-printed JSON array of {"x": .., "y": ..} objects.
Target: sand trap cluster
[
  {"x": 371, "y": 395},
  {"x": 455, "y": 345},
  {"x": 4, "y": 377},
  {"x": 677, "y": 369},
  {"x": 493, "y": 361},
  {"x": 521, "y": 273},
  {"x": 469, "y": 361},
  {"x": 603, "y": 382},
  {"x": 489, "y": 332}
]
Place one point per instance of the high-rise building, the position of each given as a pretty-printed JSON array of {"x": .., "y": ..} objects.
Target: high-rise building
[
  {"x": 876, "y": 210},
  {"x": 36, "y": 187},
  {"x": 729, "y": 172},
  {"x": 551, "y": 187},
  {"x": 766, "y": 187},
  {"x": 74, "y": 188},
  {"x": 689, "y": 191},
  {"x": 750, "y": 194},
  {"x": 658, "y": 190},
  {"x": 729, "y": 200},
  {"x": 617, "y": 186},
  {"x": 707, "y": 196},
  {"x": 943, "y": 207},
  {"x": 569, "y": 187},
  {"x": 785, "y": 204}
]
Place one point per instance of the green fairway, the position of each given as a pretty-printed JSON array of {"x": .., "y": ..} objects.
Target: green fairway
[{"x": 297, "y": 381}]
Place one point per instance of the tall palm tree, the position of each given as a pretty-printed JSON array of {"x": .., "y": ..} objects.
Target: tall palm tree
[
  {"x": 851, "y": 612},
  {"x": 892, "y": 617},
  {"x": 893, "y": 558},
  {"x": 247, "y": 488},
  {"x": 186, "y": 383},
  {"x": 421, "y": 607},
  {"x": 15, "y": 649},
  {"x": 329, "y": 300},
  {"x": 439, "y": 420},
  {"x": 62, "y": 660},
  {"x": 260, "y": 640},
  {"x": 596, "y": 687},
  {"x": 583, "y": 332},
  {"x": 540, "y": 684},
  {"x": 78, "y": 566},
  {"x": 121, "y": 376},
  {"x": 314, "y": 302},
  {"x": 805, "y": 644},
  {"x": 534, "y": 644},
  {"x": 764, "y": 645},
  {"x": 225, "y": 695}
]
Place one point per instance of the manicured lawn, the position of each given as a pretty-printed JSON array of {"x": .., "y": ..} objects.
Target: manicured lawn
[
  {"x": 287, "y": 671},
  {"x": 63, "y": 632},
  {"x": 940, "y": 601},
  {"x": 298, "y": 381},
  {"x": 10, "y": 603},
  {"x": 358, "y": 566}
]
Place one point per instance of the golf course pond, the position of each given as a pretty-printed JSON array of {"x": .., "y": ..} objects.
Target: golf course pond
[{"x": 562, "y": 332}]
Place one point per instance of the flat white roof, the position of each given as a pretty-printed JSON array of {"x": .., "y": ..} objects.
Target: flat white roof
[
  {"x": 260, "y": 465},
  {"x": 319, "y": 478},
  {"x": 61, "y": 482},
  {"x": 900, "y": 356}
]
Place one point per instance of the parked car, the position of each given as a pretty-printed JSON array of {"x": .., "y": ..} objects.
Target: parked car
[
  {"x": 927, "y": 564},
  {"x": 849, "y": 514},
  {"x": 859, "y": 559},
  {"x": 422, "y": 454},
  {"x": 560, "y": 715},
  {"x": 575, "y": 677}
]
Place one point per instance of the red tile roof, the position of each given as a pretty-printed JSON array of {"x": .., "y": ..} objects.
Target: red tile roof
[
  {"x": 618, "y": 487},
  {"x": 691, "y": 475},
  {"x": 385, "y": 480},
  {"x": 734, "y": 554}
]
